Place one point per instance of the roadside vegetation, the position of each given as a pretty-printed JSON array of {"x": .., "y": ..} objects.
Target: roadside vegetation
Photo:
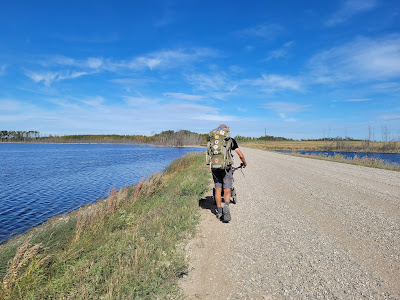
[
  {"x": 361, "y": 161},
  {"x": 337, "y": 145},
  {"x": 127, "y": 246}
]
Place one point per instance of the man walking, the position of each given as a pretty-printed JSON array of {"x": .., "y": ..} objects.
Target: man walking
[{"x": 220, "y": 145}]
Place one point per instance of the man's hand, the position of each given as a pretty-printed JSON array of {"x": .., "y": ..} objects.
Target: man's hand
[{"x": 241, "y": 156}]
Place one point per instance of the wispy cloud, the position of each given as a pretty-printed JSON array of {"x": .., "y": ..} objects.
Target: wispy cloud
[
  {"x": 94, "y": 101},
  {"x": 10, "y": 105},
  {"x": 141, "y": 101},
  {"x": 49, "y": 77},
  {"x": 166, "y": 59},
  {"x": 387, "y": 87},
  {"x": 358, "y": 100},
  {"x": 350, "y": 9},
  {"x": 60, "y": 60},
  {"x": 217, "y": 85},
  {"x": 272, "y": 83},
  {"x": 163, "y": 59},
  {"x": 3, "y": 70},
  {"x": 265, "y": 31},
  {"x": 285, "y": 107},
  {"x": 182, "y": 96},
  {"x": 281, "y": 52},
  {"x": 362, "y": 60}
]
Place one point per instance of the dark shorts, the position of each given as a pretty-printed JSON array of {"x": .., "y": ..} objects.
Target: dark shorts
[{"x": 223, "y": 177}]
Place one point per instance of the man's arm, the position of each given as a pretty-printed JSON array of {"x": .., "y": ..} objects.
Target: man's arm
[{"x": 241, "y": 156}]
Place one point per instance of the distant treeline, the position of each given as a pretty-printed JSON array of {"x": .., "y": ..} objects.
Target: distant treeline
[
  {"x": 19, "y": 135},
  {"x": 165, "y": 138},
  {"x": 333, "y": 139},
  {"x": 261, "y": 138}
]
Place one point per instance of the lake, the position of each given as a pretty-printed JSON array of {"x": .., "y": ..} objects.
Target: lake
[
  {"x": 388, "y": 157},
  {"x": 39, "y": 181}
]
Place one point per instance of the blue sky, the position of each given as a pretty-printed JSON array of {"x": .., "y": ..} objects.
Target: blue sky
[{"x": 300, "y": 69}]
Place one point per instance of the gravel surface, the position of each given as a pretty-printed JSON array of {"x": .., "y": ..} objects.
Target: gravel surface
[{"x": 302, "y": 229}]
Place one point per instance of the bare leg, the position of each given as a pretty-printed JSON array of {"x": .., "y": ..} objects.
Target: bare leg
[
  {"x": 227, "y": 195},
  {"x": 218, "y": 196}
]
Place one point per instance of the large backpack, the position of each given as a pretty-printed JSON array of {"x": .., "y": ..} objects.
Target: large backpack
[{"x": 219, "y": 149}]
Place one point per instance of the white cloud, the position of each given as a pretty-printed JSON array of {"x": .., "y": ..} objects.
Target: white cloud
[
  {"x": 282, "y": 108},
  {"x": 285, "y": 108},
  {"x": 215, "y": 118},
  {"x": 362, "y": 60},
  {"x": 164, "y": 59},
  {"x": 167, "y": 58},
  {"x": 350, "y": 9},
  {"x": 272, "y": 83},
  {"x": 265, "y": 31},
  {"x": 3, "y": 70},
  {"x": 358, "y": 100},
  {"x": 90, "y": 62},
  {"x": 141, "y": 101},
  {"x": 64, "y": 103},
  {"x": 94, "y": 62},
  {"x": 182, "y": 96},
  {"x": 49, "y": 77},
  {"x": 387, "y": 87},
  {"x": 281, "y": 52},
  {"x": 96, "y": 101},
  {"x": 10, "y": 105},
  {"x": 190, "y": 108},
  {"x": 211, "y": 82}
]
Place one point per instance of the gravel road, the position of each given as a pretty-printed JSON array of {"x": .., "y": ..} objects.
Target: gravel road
[{"x": 302, "y": 229}]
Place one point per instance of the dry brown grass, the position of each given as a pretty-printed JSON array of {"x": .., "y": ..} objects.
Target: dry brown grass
[
  {"x": 344, "y": 146},
  {"x": 21, "y": 268}
]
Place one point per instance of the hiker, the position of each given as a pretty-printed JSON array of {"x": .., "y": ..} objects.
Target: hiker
[{"x": 219, "y": 147}]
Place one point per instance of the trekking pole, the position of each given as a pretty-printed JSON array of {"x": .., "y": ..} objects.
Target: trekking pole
[{"x": 241, "y": 169}]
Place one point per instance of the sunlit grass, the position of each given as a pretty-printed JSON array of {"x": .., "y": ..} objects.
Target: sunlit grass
[
  {"x": 293, "y": 146},
  {"x": 361, "y": 161},
  {"x": 343, "y": 146}
]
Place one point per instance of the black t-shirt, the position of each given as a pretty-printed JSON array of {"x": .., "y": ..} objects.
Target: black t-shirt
[{"x": 234, "y": 144}]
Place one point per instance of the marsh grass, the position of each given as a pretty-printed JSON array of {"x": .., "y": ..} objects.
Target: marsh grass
[
  {"x": 125, "y": 246},
  {"x": 361, "y": 161},
  {"x": 293, "y": 146},
  {"x": 343, "y": 146}
]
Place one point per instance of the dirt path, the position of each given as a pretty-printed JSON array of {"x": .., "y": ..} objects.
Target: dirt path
[{"x": 302, "y": 228}]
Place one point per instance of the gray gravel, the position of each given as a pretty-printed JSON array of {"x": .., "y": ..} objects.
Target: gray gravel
[
  {"x": 308, "y": 229},
  {"x": 315, "y": 229}
]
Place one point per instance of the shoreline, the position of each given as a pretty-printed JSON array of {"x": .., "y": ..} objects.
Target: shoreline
[{"x": 133, "y": 237}]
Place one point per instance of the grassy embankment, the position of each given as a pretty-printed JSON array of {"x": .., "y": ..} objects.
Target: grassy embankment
[
  {"x": 126, "y": 246},
  {"x": 352, "y": 146}
]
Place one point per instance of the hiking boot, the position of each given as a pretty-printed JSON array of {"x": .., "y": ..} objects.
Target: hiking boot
[
  {"x": 226, "y": 214},
  {"x": 219, "y": 216}
]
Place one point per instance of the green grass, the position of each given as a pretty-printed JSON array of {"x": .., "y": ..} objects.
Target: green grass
[{"x": 126, "y": 246}]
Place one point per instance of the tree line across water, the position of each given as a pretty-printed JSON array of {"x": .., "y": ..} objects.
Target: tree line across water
[
  {"x": 165, "y": 138},
  {"x": 187, "y": 138}
]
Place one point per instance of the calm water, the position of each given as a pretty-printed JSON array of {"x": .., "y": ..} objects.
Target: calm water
[
  {"x": 39, "y": 181},
  {"x": 388, "y": 157}
]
